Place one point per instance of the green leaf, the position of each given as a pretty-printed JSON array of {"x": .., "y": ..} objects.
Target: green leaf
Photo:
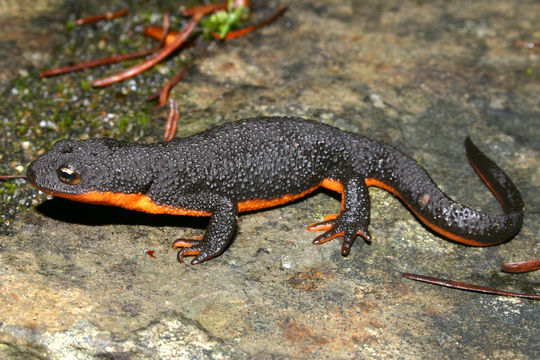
[{"x": 222, "y": 22}]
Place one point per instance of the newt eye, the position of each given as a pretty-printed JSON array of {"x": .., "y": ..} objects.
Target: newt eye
[{"x": 68, "y": 176}]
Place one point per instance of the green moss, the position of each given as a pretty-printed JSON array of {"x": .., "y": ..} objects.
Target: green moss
[
  {"x": 145, "y": 15},
  {"x": 122, "y": 124},
  {"x": 85, "y": 85},
  {"x": 10, "y": 187},
  {"x": 70, "y": 25},
  {"x": 143, "y": 119},
  {"x": 65, "y": 120},
  {"x": 22, "y": 129},
  {"x": 94, "y": 122}
]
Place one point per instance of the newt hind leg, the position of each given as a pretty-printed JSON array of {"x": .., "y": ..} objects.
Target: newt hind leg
[
  {"x": 340, "y": 227},
  {"x": 353, "y": 220}
]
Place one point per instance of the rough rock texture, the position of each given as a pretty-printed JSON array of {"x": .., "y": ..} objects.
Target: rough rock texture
[{"x": 76, "y": 280}]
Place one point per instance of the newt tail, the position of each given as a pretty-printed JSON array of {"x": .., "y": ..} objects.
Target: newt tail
[
  {"x": 258, "y": 163},
  {"x": 447, "y": 217}
]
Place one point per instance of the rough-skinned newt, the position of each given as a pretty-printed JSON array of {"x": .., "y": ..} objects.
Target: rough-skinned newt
[{"x": 263, "y": 162}]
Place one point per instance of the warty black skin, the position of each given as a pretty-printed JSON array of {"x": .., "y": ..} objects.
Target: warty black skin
[{"x": 268, "y": 158}]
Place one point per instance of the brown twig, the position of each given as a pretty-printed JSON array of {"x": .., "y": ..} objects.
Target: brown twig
[
  {"x": 470, "y": 287},
  {"x": 165, "y": 90},
  {"x": 153, "y": 60},
  {"x": 106, "y": 16},
  {"x": 166, "y": 28},
  {"x": 248, "y": 29},
  {"x": 154, "y": 96},
  {"x": 521, "y": 266},
  {"x": 210, "y": 8},
  {"x": 172, "y": 120},
  {"x": 10, "y": 177},
  {"x": 93, "y": 63},
  {"x": 156, "y": 32},
  {"x": 111, "y": 59},
  {"x": 203, "y": 10},
  {"x": 527, "y": 43}
]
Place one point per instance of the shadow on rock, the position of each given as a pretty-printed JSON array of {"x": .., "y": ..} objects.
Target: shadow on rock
[{"x": 88, "y": 214}]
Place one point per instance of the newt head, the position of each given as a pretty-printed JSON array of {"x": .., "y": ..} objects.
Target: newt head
[{"x": 83, "y": 166}]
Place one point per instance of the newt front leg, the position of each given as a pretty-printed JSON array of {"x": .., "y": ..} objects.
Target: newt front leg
[{"x": 218, "y": 235}]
